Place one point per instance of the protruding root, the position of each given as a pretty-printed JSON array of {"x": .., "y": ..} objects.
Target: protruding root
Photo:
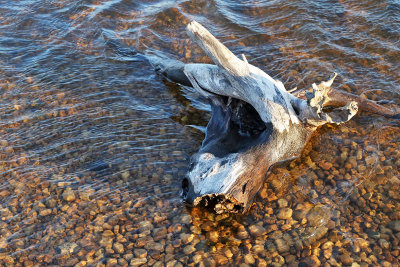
[{"x": 337, "y": 98}]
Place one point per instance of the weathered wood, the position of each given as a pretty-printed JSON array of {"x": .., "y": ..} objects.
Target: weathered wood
[
  {"x": 255, "y": 123},
  {"x": 218, "y": 52},
  {"x": 339, "y": 98},
  {"x": 238, "y": 79}
]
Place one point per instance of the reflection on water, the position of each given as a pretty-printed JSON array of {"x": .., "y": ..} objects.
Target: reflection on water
[{"x": 94, "y": 144}]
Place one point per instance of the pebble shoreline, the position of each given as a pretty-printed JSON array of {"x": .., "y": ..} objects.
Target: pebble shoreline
[
  {"x": 91, "y": 174},
  {"x": 334, "y": 218}
]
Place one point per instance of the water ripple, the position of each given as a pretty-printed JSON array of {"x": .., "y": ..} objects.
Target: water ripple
[{"x": 92, "y": 140}]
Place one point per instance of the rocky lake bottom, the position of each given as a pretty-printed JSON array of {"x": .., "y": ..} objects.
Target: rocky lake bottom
[{"x": 94, "y": 144}]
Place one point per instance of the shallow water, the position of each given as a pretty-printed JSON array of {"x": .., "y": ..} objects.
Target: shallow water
[{"x": 94, "y": 144}]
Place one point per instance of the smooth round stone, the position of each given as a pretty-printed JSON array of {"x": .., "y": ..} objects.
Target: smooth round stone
[
  {"x": 285, "y": 213},
  {"x": 67, "y": 248},
  {"x": 51, "y": 203},
  {"x": 311, "y": 261},
  {"x": 249, "y": 259},
  {"x": 282, "y": 245},
  {"x": 189, "y": 249},
  {"x": 111, "y": 262},
  {"x": 258, "y": 249},
  {"x": 118, "y": 247},
  {"x": 318, "y": 215},
  {"x": 140, "y": 253},
  {"x": 138, "y": 261},
  {"x": 68, "y": 195},
  {"x": 327, "y": 253},
  {"x": 384, "y": 244},
  {"x": 257, "y": 230},
  {"x": 221, "y": 260},
  {"x": 108, "y": 233},
  {"x": 394, "y": 225},
  {"x": 45, "y": 212},
  {"x": 213, "y": 236},
  {"x": 345, "y": 259},
  {"x": 282, "y": 203},
  {"x": 242, "y": 234},
  {"x": 159, "y": 233},
  {"x": 327, "y": 245}
]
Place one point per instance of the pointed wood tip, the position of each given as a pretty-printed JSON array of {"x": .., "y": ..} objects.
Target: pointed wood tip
[
  {"x": 218, "y": 52},
  {"x": 194, "y": 26},
  {"x": 329, "y": 82}
]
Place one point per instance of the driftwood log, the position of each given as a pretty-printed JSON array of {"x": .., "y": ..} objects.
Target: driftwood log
[{"x": 255, "y": 122}]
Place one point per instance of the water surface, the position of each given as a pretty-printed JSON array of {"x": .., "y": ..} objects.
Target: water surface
[{"x": 94, "y": 144}]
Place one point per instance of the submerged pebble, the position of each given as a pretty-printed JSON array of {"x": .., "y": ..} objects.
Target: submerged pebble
[
  {"x": 257, "y": 230},
  {"x": 285, "y": 213},
  {"x": 68, "y": 195},
  {"x": 95, "y": 144}
]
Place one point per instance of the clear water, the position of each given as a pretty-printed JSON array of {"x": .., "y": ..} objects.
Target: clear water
[{"x": 92, "y": 140}]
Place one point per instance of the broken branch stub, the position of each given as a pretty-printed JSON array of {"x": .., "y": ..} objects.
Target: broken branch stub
[{"x": 254, "y": 124}]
